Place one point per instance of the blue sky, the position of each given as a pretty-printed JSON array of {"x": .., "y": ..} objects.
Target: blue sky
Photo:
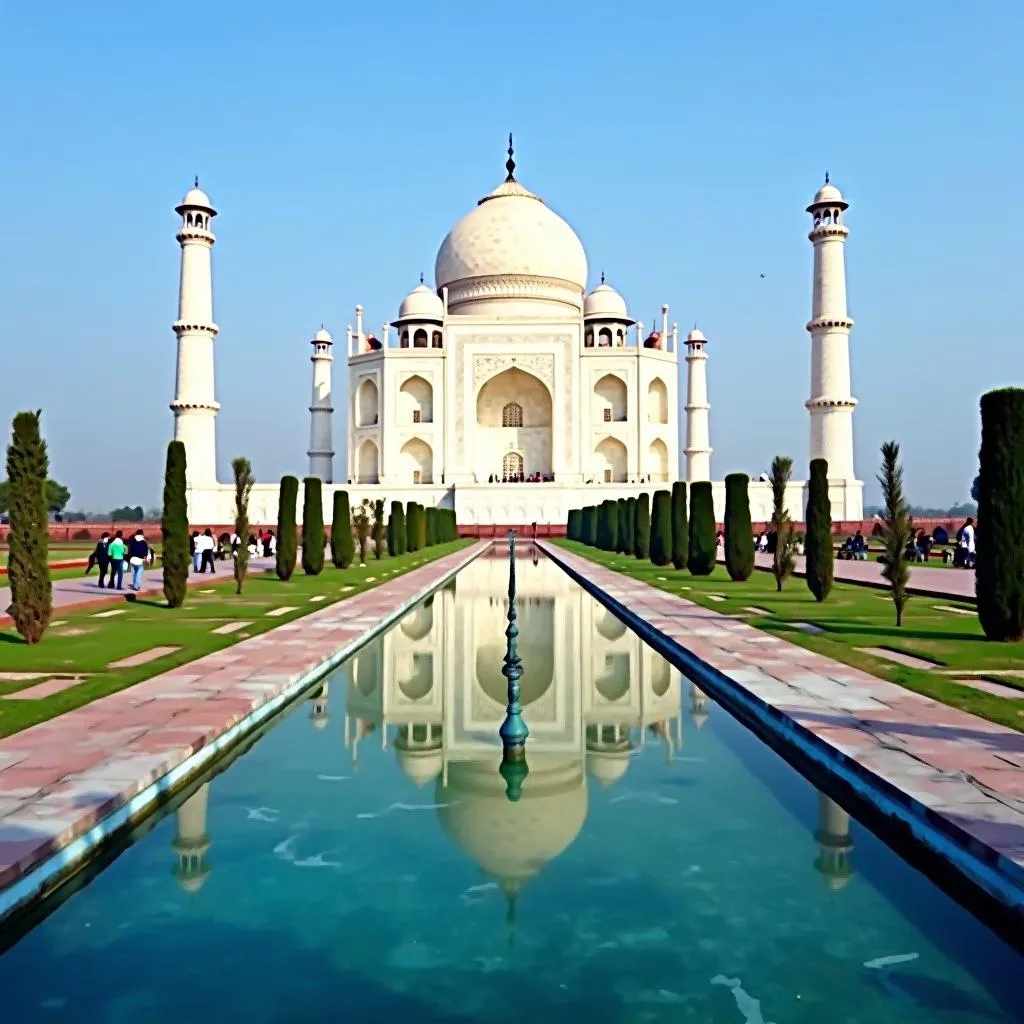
[{"x": 341, "y": 142}]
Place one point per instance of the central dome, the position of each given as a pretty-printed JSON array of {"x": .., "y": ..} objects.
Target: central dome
[{"x": 512, "y": 249}]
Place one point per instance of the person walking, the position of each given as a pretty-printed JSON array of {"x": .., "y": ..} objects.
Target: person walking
[
  {"x": 209, "y": 547},
  {"x": 138, "y": 552},
  {"x": 116, "y": 550},
  {"x": 101, "y": 557},
  {"x": 194, "y": 550}
]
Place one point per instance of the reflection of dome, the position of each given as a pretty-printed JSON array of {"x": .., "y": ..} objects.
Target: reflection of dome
[
  {"x": 419, "y": 765},
  {"x": 511, "y": 842},
  {"x": 605, "y": 301},
  {"x": 421, "y": 304}
]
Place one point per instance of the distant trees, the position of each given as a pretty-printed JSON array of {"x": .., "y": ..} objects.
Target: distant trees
[
  {"x": 244, "y": 480},
  {"x": 784, "y": 561},
  {"x": 999, "y": 577},
  {"x": 28, "y": 562},
  {"x": 703, "y": 551},
  {"x": 897, "y": 527},
  {"x": 56, "y": 496},
  {"x": 287, "y": 531},
  {"x": 343, "y": 547},
  {"x": 174, "y": 527},
  {"x": 739, "y": 531},
  {"x": 313, "y": 539},
  {"x": 642, "y": 528},
  {"x": 127, "y": 514},
  {"x": 680, "y": 526},
  {"x": 820, "y": 558}
]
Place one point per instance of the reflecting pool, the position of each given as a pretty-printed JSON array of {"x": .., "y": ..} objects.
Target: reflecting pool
[{"x": 361, "y": 860}]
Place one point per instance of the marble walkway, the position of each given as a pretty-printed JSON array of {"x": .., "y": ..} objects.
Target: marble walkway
[
  {"x": 964, "y": 772},
  {"x": 957, "y": 584},
  {"x": 60, "y": 778},
  {"x": 82, "y": 591}
]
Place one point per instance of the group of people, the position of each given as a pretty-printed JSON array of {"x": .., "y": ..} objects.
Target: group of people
[
  {"x": 206, "y": 549},
  {"x": 118, "y": 556}
]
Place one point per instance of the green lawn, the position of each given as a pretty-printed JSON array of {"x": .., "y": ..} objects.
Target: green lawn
[
  {"x": 854, "y": 617},
  {"x": 86, "y": 644}
]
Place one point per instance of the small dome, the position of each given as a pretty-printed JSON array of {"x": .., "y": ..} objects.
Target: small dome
[
  {"x": 607, "y": 766},
  {"x": 695, "y": 336},
  {"x": 605, "y": 301},
  {"x": 323, "y": 336},
  {"x": 421, "y": 302},
  {"x": 420, "y": 766},
  {"x": 828, "y": 194},
  {"x": 196, "y": 197}
]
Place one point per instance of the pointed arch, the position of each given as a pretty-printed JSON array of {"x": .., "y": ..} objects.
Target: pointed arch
[
  {"x": 416, "y": 400},
  {"x": 657, "y": 460},
  {"x": 367, "y": 403},
  {"x": 368, "y": 468},
  {"x": 657, "y": 401},
  {"x": 417, "y": 459},
  {"x": 610, "y": 396},
  {"x": 610, "y": 460}
]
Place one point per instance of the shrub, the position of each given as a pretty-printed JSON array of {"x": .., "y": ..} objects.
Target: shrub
[
  {"x": 312, "y": 526},
  {"x": 343, "y": 547},
  {"x": 642, "y": 527},
  {"x": 820, "y": 558},
  {"x": 661, "y": 528},
  {"x": 361, "y": 522},
  {"x": 411, "y": 534},
  {"x": 82, "y": 534},
  {"x": 898, "y": 528},
  {"x": 244, "y": 480},
  {"x": 287, "y": 533},
  {"x": 28, "y": 563},
  {"x": 379, "y": 528},
  {"x": 999, "y": 577},
  {"x": 590, "y": 525},
  {"x": 703, "y": 551},
  {"x": 680, "y": 526},
  {"x": 396, "y": 529},
  {"x": 604, "y": 526},
  {"x": 430, "y": 515},
  {"x": 739, "y": 531},
  {"x": 174, "y": 527},
  {"x": 630, "y": 526}
]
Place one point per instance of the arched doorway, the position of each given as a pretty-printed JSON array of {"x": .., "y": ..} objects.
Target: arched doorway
[
  {"x": 416, "y": 401},
  {"x": 417, "y": 462},
  {"x": 610, "y": 457},
  {"x": 513, "y": 415},
  {"x": 512, "y": 466},
  {"x": 657, "y": 460},
  {"x": 368, "y": 469},
  {"x": 610, "y": 399},
  {"x": 367, "y": 404}
]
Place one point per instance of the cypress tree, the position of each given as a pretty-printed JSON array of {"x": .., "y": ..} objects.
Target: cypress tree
[
  {"x": 379, "y": 528},
  {"x": 421, "y": 527},
  {"x": 571, "y": 524},
  {"x": 590, "y": 525},
  {"x": 622, "y": 536},
  {"x": 244, "y": 480},
  {"x": 611, "y": 524},
  {"x": 602, "y": 526},
  {"x": 703, "y": 548},
  {"x": 174, "y": 527},
  {"x": 642, "y": 527},
  {"x": 396, "y": 530},
  {"x": 661, "y": 528},
  {"x": 28, "y": 563},
  {"x": 818, "y": 539},
  {"x": 287, "y": 533},
  {"x": 630, "y": 526},
  {"x": 411, "y": 535},
  {"x": 431, "y": 526},
  {"x": 999, "y": 575},
  {"x": 680, "y": 526},
  {"x": 739, "y": 531},
  {"x": 312, "y": 526},
  {"x": 343, "y": 547}
]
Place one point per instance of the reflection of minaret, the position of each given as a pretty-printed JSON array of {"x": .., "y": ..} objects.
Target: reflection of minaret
[
  {"x": 609, "y": 748},
  {"x": 834, "y": 843},
  {"x": 697, "y": 709},
  {"x": 318, "y": 716},
  {"x": 191, "y": 842},
  {"x": 420, "y": 752}
]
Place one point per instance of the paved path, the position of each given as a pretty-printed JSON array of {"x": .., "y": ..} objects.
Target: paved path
[
  {"x": 957, "y": 584},
  {"x": 60, "y": 778},
  {"x": 967, "y": 771},
  {"x": 83, "y": 591}
]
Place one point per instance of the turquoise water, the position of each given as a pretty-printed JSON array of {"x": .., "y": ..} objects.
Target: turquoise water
[{"x": 360, "y": 861}]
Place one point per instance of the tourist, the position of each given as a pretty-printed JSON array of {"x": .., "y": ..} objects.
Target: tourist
[
  {"x": 138, "y": 552},
  {"x": 236, "y": 543},
  {"x": 100, "y": 557},
  {"x": 253, "y": 546},
  {"x": 859, "y": 547},
  {"x": 966, "y": 544},
  {"x": 116, "y": 550},
  {"x": 194, "y": 550},
  {"x": 209, "y": 547}
]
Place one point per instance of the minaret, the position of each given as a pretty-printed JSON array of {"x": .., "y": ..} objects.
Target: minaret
[
  {"x": 321, "y": 451},
  {"x": 834, "y": 843},
  {"x": 831, "y": 405},
  {"x": 698, "y": 429},
  {"x": 191, "y": 842},
  {"x": 194, "y": 405}
]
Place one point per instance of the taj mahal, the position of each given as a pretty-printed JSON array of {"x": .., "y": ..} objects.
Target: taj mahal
[{"x": 507, "y": 391}]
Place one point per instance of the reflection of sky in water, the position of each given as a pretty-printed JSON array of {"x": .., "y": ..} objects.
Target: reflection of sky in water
[{"x": 361, "y": 860}]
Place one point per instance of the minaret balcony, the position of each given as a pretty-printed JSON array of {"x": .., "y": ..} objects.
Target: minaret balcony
[
  {"x": 181, "y": 404},
  {"x": 831, "y": 403},
  {"x": 823, "y": 230},
  {"x": 826, "y": 323},
  {"x": 188, "y": 327}
]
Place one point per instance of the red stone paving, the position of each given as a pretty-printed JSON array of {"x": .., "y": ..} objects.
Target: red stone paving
[
  {"x": 59, "y": 778},
  {"x": 965, "y": 769},
  {"x": 40, "y": 690}
]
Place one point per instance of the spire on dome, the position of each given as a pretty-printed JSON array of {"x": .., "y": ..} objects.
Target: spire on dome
[
  {"x": 421, "y": 277},
  {"x": 195, "y": 184},
  {"x": 510, "y": 164},
  {"x": 602, "y": 277},
  {"x": 826, "y": 177}
]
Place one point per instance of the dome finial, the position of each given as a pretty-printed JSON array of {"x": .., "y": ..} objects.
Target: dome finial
[
  {"x": 510, "y": 164},
  {"x": 196, "y": 183},
  {"x": 826, "y": 177},
  {"x": 602, "y": 277},
  {"x": 421, "y": 277}
]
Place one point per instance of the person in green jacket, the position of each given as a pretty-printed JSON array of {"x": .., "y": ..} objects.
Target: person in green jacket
[{"x": 116, "y": 551}]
